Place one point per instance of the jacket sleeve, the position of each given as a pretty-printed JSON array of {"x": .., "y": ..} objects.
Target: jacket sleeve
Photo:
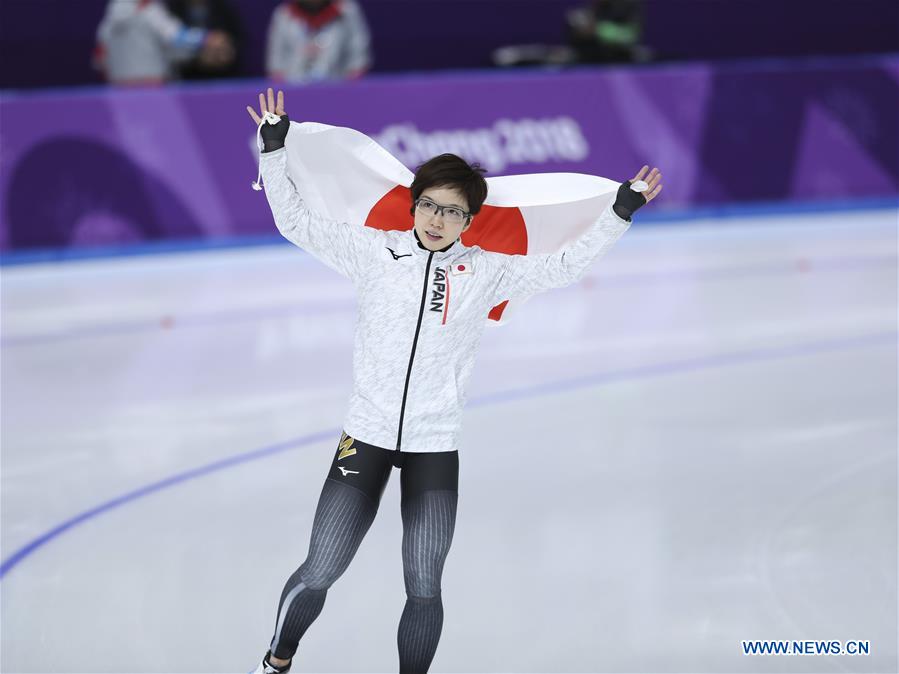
[
  {"x": 524, "y": 275},
  {"x": 358, "y": 49},
  {"x": 343, "y": 246},
  {"x": 181, "y": 41},
  {"x": 277, "y": 47},
  {"x": 117, "y": 12},
  {"x": 161, "y": 21}
]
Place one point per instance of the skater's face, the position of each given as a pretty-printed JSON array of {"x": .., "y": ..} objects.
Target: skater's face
[{"x": 441, "y": 215}]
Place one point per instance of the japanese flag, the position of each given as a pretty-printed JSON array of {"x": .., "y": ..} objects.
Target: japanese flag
[{"x": 346, "y": 175}]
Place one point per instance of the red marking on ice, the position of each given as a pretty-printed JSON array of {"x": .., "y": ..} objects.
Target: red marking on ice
[
  {"x": 461, "y": 267},
  {"x": 166, "y": 322},
  {"x": 803, "y": 265}
]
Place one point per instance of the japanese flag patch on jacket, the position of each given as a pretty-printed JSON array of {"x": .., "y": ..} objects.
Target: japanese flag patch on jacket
[{"x": 463, "y": 266}]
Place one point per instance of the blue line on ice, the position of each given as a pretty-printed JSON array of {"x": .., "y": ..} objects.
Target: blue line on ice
[{"x": 612, "y": 376}]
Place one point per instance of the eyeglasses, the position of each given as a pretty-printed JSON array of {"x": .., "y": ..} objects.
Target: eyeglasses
[{"x": 451, "y": 214}]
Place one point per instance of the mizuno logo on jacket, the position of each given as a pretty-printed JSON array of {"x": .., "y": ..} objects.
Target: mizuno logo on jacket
[{"x": 395, "y": 256}]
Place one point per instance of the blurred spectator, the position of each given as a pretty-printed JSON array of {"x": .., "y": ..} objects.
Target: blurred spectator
[
  {"x": 599, "y": 31},
  {"x": 518, "y": 55},
  {"x": 141, "y": 41},
  {"x": 607, "y": 31},
  {"x": 317, "y": 39},
  {"x": 222, "y": 60}
]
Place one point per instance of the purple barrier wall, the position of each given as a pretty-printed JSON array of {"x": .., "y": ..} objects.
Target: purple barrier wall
[{"x": 104, "y": 167}]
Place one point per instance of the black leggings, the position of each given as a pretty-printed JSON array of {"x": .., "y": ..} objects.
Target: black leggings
[{"x": 349, "y": 500}]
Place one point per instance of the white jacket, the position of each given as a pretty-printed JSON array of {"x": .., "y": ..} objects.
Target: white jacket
[
  {"x": 421, "y": 313},
  {"x": 142, "y": 40},
  {"x": 298, "y": 50}
]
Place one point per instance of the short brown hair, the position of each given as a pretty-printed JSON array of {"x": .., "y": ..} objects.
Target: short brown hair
[{"x": 450, "y": 170}]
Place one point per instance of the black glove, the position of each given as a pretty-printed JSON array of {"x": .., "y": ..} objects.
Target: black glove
[
  {"x": 273, "y": 135},
  {"x": 627, "y": 202}
]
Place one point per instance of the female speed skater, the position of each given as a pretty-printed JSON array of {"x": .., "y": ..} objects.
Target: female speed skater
[{"x": 423, "y": 300}]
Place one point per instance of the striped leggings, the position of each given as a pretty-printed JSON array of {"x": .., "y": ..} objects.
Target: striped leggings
[{"x": 346, "y": 509}]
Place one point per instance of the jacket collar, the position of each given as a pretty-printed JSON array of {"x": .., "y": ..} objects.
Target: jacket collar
[{"x": 315, "y": 20}]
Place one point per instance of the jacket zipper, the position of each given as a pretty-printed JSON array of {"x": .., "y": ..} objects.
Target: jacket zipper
[{"x": 421, "y": 311}]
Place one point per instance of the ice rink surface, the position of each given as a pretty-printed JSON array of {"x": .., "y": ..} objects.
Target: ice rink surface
[{"x": 694, "y": 446}]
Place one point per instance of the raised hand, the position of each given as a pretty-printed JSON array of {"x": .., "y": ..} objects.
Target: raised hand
[
  {"x": 629, "y": 200},
  {"x": 653, "y": 180},
  {"x": 273, "y": 135},
  {"x": 268, "y": 106}
]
